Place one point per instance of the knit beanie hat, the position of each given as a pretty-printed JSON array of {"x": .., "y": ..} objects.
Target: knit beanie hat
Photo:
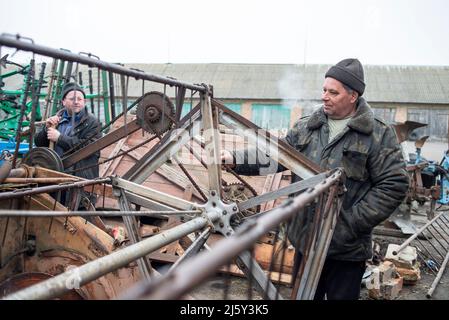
[
  {"x": 71, "y": 86},
  {"x": 350, "y": 73}
]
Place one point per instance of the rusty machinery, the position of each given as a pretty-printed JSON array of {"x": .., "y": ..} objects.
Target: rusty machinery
[
  {"x": 429, "y": 181},
  {"x": 82, "y": 255}
]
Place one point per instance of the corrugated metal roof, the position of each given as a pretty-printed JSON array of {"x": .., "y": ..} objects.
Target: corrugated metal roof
[
  {"x": 400, "y": 84},
  {"x": 392, "y": 84}
]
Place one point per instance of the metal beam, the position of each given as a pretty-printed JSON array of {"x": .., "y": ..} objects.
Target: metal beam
[
  {"x": 212, "y": 144},
  {"x": 47, "y": 213},
  {"x": 291, "y": 188},
  {"x": 152, "y": 194}
]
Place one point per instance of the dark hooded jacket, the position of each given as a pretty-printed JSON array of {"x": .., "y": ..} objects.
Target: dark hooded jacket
[
  {"x": 87, "y": 127},
  {"x": 376, "y": 181}
]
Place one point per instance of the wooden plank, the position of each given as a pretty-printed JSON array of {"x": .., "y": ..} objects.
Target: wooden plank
[
  {"x": 276, "y": 182},
  {"x": 266, "y": 188},
  {"x": 188, "y": 193},
  {"x": 105, "y": 167},
  {"x": 180, "y": 179},
  {"x": 136, "y": 155},
  {"x": 235, "y": 271}
]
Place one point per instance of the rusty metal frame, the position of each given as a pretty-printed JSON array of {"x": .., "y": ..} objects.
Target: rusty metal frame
[
  {"x": 175, "y": 284},
  {"x": 216, "y": 214}
]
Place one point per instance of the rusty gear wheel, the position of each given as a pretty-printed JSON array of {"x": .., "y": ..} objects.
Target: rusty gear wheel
[
  {"x": 155, "y": 113},
  {"x": 238, "y": 192}
]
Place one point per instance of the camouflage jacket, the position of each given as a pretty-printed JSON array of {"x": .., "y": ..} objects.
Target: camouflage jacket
[{"x": 376, "y": 181}]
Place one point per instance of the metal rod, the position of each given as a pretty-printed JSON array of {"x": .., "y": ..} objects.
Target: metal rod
[
  {"x": 68, "y": 56},
  {"x": 48, "y": 189},
  {"x": 194, "y": 248},
  {"x": 291, "y": 188},
  {"x": 437, "y": 279},
  {"x": 48, "y": 213},
  {"x": 192, "y": 181},
  {"x": 416, "y": 234},
  {"x": 40, "y": 180}
]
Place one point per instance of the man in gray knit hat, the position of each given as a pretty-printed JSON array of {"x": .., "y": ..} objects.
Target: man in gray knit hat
[{"x": 344, "y": 132}]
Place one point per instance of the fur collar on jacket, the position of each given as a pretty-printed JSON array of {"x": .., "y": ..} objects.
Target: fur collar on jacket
[{"x": 362, "y": 121}]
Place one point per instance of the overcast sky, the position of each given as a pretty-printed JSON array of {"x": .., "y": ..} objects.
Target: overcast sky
[{"x": 392, "y": 32}]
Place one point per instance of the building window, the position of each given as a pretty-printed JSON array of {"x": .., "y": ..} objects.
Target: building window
[
  {"x": 271, "y": 116},
  {"x": 186, "y": 108},
  {"x": 236, "y": 107}
]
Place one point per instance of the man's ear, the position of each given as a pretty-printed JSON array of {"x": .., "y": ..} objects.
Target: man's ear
[{"x": 354, "y": 96}]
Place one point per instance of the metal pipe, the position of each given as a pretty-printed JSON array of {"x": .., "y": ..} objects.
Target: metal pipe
[
  {"x": 48, "y": 189},
  {"x": 40, "y": 180},
  {"x": 68, "y": 56},
  {"x": 90, "y": 271},
  {"x": 174, "y": 284},
  {"x": 416, "y": 234},
  {"x": 437, "y": 279},
  {"x": 48, "y": 213}
]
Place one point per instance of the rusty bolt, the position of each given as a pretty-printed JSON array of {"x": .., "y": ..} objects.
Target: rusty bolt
[
  {"x": 212, "y": 193},
  {"x": 221, "y": 224}
]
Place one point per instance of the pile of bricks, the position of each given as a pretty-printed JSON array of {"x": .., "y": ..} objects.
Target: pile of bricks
[
  {"x": 406, "y": 263},
  {"x": 384, "y": 282},
  {"x": 387, "y": 279}
]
